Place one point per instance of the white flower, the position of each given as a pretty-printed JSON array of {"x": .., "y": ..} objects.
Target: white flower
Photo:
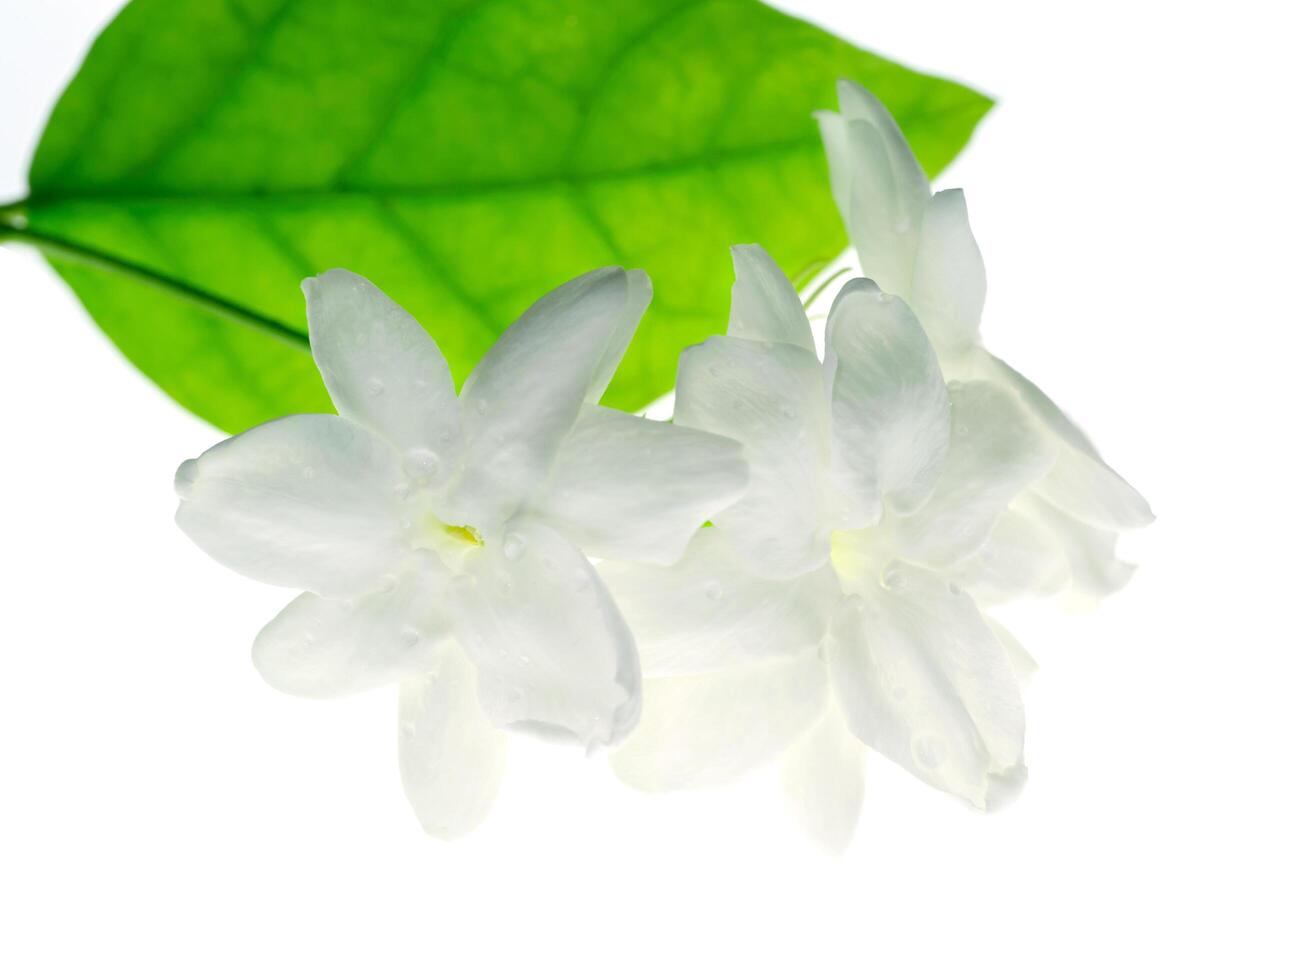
[
  {"x": 441, "y": 537},
  {"x": 822, "y": 612},
  {"x": 918, "y": 245}
]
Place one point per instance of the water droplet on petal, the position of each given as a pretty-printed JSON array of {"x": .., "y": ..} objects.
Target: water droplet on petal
[
  {"x": 482, "y": 406},
  {"x": 389, "y": 583},
  {"x": 409, "y": 636},
  {"x": 789, "y": 412},
  {"x": 514, "y": 546},
  {"x": 712, "y": 590},
  {"x": 930, "y": 751},
  {"x": 403, "y": 490},
  {"x": 184, "y": 481},
  {"x": 421, "y": 463},
  {"x": 376, "y": 386},
  {"x": 893, "y": 578}
]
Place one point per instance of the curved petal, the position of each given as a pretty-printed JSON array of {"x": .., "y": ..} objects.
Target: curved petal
[
  {"x": 1019, "y": 558},
  {"x": 707, "y": 729},
  {"x": 890, "y": 410},
  {"x": 319, "y": 647},
  {"x": 771, "y": 399},
  {"x": 551, "y": 649},
  {"x": 823, "y": 776},
  {"x": 709, "y": 611},
  {"x": 923, "y": 680},
  {"x": 995, "y": 452},
  {"x": 631, "y": 488},
  {"x": 1089, "y": 551},
  {"x": 523, "y": 397},
  {"x": 1080, "y": 483},
  {"x": 451, "y": 759},
  {"x": 878, "y": 185},
  {"x": 307, "y": 501},
  {"x": 950, "y": 284},
  {"x": 384, "y": 371},
  {"x": 763, "y": 303},
  {"x": 1021, "y": 661}
]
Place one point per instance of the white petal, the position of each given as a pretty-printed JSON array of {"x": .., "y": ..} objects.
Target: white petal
[
  {"x": 707, "y": 729},
  {"x": 996, "y": 451},
  {"x": 1021, "y": 661},
  {"x": 1080, "y": 483},
  {"x": 305, "y": 501},
  {"x": 383, "y": 370},
  {"x": 823, "y": 776},
  {"x": 1090, "y": 551},
  {"x": 769, "y": 397},
  {"x": 709, "y": 611},
  {"x": 451, "y": 758},
  {"x": 890, "y": 410},
  {"x": 1019, "y": 558},
  {"x": 524, "y": 396},
  {"x": 763, "y": 303},
  {"x": 551, "y": 649},
  {"x": 319, "y": 647},
  {"x": 631, "y": 488},
  {"x": 878, "y": 185},
  {"x": 923, "y": 680},
  {"x": 950, "y": 284}
]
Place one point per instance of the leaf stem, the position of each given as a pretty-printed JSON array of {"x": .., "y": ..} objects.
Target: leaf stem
[{"x": 60, "y": 248}]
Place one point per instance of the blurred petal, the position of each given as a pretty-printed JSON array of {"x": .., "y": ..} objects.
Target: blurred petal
[
  {"x": 1080, "y": 483},
  {"x": 890, "y": 409},
  {"x": 709, "y": 611},
  {"x": 451, "y": 758},
  {"x": 1090, "y": 551},
  {"x": 319, "y": 647},
  {"x": 1019, "y": 558},
  {"x": 769, "y": 397},
  {"x": 708, "y": 729},
  {"x": 306, "y": 501},
  {"x": 823, "y": 775},
  {"x": 923, "y": 680},
  {"x": 763, "y": 303},
  {"x": 996, "y": 451},
  {"x": 630, "y": 488},
  {"x": 384, "y": 371},
  {"x": 524, "y": 396},
  {"x": 950, "y": 284},
  {"x": 551, "y": 650}
]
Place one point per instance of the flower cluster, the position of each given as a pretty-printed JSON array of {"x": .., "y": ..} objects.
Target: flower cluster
[{"x": 796, "y": 568}]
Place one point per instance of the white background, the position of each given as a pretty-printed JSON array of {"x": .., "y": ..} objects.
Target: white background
[{"x": 1137, "y": 196}]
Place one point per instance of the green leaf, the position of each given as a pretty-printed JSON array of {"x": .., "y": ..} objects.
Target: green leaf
[{"x": 466, "y": 156}]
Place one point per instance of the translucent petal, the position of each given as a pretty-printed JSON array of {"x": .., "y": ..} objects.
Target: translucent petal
[
  {"x": 451, "y": 758},
  {"x": 923, "y": 680},
  {"x": 1089, "y": 551},
  {"x": 996, "y": 451},
  {"x": 1080, "y": 483},
  {"x": 306, "y": 501},
  {"x": 552, "y": 652},
  {"x": 769, "y": 397},
  {"x": 1020, "y": 558},
  {"x": 764, "y": 305},
  {"x": 383, "y": 370},
  {"x": 319, "y": 647},
  {"x": 890, "y": 408},
  {"x": 709, "y": 611},
  {"x": 823, "y": 775},
  {"x": 631, "y": 488},
  {"x": 949, "y": 285},
  {"x": 524, "y": 396},
  {"x": 708, "y": 729}
]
